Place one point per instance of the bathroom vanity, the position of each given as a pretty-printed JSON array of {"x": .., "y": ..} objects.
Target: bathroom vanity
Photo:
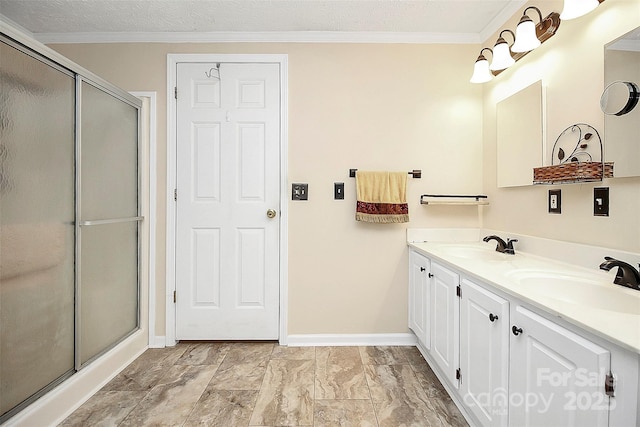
[{"x": 524, "y": 340}]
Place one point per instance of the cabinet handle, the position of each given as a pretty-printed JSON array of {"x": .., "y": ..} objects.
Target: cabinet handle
[
  {"x": 422, "y": 269},
  {"x": 430, "y": 275},
  {"x": 493, "y": 317},
  {"x": 516, "y": 331}
]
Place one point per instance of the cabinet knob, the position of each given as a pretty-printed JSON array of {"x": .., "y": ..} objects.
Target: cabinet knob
[
  {"x": 493, "y": 317},
  {"x": 516, "y": 331},
  {"x": 422, "y": 269},
  {"x": 430, "y": 275}
]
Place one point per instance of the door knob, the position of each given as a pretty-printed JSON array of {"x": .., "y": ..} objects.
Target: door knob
[{"x": 271, "y": 213}]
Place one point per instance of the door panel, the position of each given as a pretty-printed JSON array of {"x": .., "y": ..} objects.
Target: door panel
[
  {"x": 484, "y": 353},
  {"x": 445, "y": 320},
  {"x": 228, "y": 176},
  {"x": 559, "y": 372}
]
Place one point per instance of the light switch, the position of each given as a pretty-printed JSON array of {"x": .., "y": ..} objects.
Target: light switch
[
  {"x": 338, "y": 190},
  {"x": 601, "y": 201}
]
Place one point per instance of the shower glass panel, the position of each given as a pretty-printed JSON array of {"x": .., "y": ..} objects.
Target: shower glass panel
[
  {"x": 37, "y": 104},
  {"x": 109, "y": 221}
]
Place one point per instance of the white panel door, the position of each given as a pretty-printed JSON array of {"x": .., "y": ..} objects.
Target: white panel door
[
  {"x": 557, "y": 377},
  {"x": 484, "y": 353},
  {"x": 419, "y": 297},
  {"x": 445, "y": 321},
  {"x": 228, "y": 178}
]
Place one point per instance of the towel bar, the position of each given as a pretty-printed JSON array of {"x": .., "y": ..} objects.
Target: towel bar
[
  {"x": 477, "y": 200},
  {"x": 416, "y": 173}
]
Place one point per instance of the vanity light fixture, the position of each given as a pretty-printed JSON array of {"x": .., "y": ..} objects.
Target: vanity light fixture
[
  {"x": 502, "y": 58},
  {"x": 481, "y": 72},
  {"x": 576, "y": 8},
  {"x": 526, "y": 37}
]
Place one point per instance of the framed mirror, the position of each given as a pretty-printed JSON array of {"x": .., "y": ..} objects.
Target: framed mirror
[
  {"x": 619, "y": 103},
  {"x": 520, "y": 136}
]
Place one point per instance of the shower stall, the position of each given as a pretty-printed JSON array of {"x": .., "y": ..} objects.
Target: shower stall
[{"x": 69, "y": 220}]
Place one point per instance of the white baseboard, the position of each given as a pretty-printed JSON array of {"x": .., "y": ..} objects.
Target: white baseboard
[
  {"x": 158, "y": 342},
  {"x": 322, "y": 340}
]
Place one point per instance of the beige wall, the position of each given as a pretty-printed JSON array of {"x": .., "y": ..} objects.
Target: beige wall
[
  {"x": 366, "y": 106},
  {"x": 402, "y": 107},
  {"x": 571, "y": 67}
]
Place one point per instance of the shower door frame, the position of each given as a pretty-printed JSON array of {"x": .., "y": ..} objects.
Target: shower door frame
[{"x": 42, "y": 402}]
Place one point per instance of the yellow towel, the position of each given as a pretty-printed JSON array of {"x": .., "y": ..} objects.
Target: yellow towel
[{"x": 382, "y": 197}]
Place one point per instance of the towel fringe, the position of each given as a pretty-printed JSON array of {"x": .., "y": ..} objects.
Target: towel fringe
[{"x": 381, "y": 219}]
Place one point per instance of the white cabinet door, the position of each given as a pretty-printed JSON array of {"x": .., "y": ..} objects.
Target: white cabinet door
[
  {"x": 419, "y": 297},
  {"x": 445, "y": 321},
  {"x": 556, "y": 376},
  {"x": 484, "y": 354}
]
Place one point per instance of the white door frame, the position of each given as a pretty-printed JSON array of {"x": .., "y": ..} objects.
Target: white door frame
[{"x": 172, "y": 61}]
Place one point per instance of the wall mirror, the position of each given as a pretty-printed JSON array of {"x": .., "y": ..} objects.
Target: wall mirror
[
  {"x": 520, "y": 141},
  {"x": 622, "y": 129}
]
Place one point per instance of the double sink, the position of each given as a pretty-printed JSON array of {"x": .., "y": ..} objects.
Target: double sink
[{"x": 553, "y": 283}]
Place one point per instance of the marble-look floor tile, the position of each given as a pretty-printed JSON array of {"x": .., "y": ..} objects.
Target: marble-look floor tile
[
  {"x": 223, "y": 408},
  {"x": 286, "y": 396},
  {"x": 204, "y": 354},
  {"x": 145, "y": 372},
  {"x": 413, "y": 356},
  {"x": 398, "y": 414},
  {"x": 293, "y": 353},
  {"x": 105, "y": 408},
  {"x": 171, "y": 401},
  {"x": 428, "y": 380},
  {"x": 383, "y": 355},
  {"x": 448, "y": 411},
  {"x": 398, "y": 397},
  {"x": 340, "y": 374},
  {"x": 243, "y": 367},
  {"x": 344, "y": 413}
]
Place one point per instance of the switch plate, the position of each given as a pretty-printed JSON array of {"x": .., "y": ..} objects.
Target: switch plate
[
  {"x": 299, "y": 191},
  {"x": 601, "y": 201},
  {"x": 555, "y": 201},
  {"x": 338, "y": 190}
]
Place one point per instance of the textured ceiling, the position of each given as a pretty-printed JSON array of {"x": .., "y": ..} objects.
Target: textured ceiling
[{"x": 447, "y": 17}]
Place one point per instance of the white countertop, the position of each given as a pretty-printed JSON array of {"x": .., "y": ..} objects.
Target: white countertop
[{"x": 584, "y": 297}]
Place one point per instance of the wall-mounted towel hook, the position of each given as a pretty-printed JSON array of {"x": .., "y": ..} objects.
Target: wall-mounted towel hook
[
  {"x": 416, "y": 173},
  {"x": 209, "y": 73}
]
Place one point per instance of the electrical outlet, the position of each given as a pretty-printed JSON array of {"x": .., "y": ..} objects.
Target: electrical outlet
[
  {"x": 601, "y": 201},
  {"x": 555, "y": 205},
  {"x": 299, "y": 191},
  {"x": 338, "y": 190}
]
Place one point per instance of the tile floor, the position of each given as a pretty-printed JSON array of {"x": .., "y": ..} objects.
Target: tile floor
[{"x": 264, "y": 384}]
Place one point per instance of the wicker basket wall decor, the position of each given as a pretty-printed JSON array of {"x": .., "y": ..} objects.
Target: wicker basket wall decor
[
  {"x": 572, "y": 172},
  {"x": 579, "y": 161}
]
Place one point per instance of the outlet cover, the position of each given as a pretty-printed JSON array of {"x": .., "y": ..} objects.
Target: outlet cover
[
  {"x": 555, "y": 201},
  {"x": 601, "y": 201},
  {"x": 299, "y": 191}
]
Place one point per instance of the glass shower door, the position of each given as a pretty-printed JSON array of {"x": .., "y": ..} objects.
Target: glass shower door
[
  {"x": 37, "y": 104},
  {"x": 108, "y": 241}
]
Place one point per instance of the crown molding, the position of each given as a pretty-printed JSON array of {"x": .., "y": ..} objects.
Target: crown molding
[
  {"x": 499, "y": 20},
  {"x": 260, "y": 37},
  {"x": 16, "y": 26}
]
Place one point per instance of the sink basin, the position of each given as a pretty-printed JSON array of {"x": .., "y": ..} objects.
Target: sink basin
[
  {"x": 473, "y": 252},
  {"x": 580, "y": 290}
]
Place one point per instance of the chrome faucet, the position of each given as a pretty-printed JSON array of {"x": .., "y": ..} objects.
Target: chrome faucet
[
  {"x": 627, "y": 275},
  {"x": 502, "y": 246}
]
